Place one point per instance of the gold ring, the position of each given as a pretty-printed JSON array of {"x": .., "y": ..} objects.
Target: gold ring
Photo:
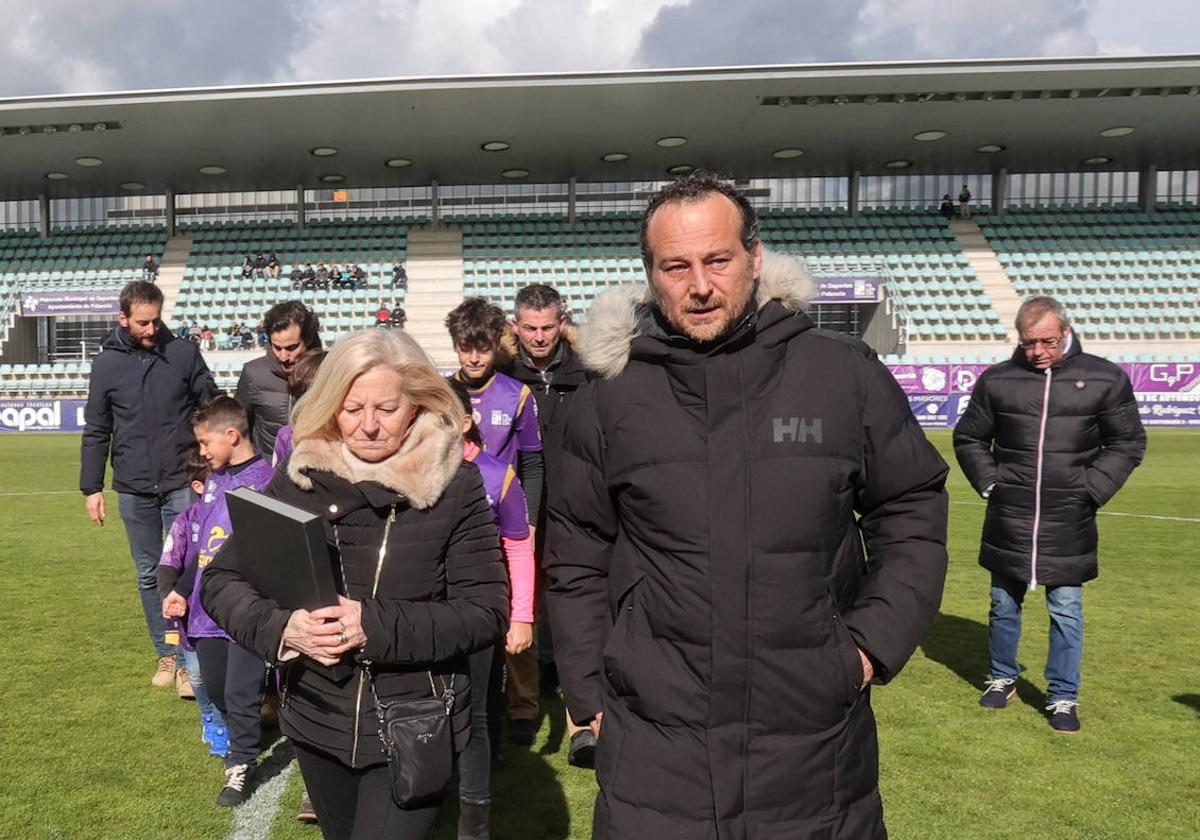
[{"x": 342, "y": 638}]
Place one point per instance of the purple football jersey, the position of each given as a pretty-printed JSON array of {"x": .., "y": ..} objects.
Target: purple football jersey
[
  {"x": 504, "y": 494},
  {"x": 506, "y": 414}
]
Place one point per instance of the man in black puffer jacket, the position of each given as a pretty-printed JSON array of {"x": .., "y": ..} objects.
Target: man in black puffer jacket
[
  {"x": 1048, "y": 438},
  {"x": 749, "y": 531},
  {"x": 262, "y": 389},
  {"x": 144, "y": 386}
]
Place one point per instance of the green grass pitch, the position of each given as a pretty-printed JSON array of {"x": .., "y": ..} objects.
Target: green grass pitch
[{"x": 90, "y": 751}]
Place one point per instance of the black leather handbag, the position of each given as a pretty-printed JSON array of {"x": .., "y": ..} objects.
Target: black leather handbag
[{"x": 419, "y": 742}]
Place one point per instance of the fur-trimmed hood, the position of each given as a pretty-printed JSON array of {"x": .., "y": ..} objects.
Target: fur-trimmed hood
[
  {"x": 419, "y": 471},
  {"x": 611, "y": 323}
]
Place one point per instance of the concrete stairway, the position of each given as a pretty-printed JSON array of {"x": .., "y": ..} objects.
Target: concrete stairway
[
  {"x": 435, "y": 286},
  {"x": 170, "y": 272},
  {"x": 991, "y": 274}
]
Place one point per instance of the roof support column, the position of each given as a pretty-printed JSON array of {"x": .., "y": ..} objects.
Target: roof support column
[
  {"x": 1147, "y": 188},
  {"x": 300, "y": 206},
  {"x": 999, "y": 191},
  {"x": 571, "y": 199},
  {"x": 43, "y": 215},
  {"x": 169, "y": 195},
  {"x": 435, "y": 215},
  {"x": 852, "y": 190}
]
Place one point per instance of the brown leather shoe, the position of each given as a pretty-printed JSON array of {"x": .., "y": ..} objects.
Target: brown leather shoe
[
  {"x": 183, "y": 685},
  {"x": 164, "y": 674}
]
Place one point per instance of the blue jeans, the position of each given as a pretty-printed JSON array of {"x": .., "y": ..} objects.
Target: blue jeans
[
  {"x": 1065, "y": 605},
  {"x": 147, "y": 518},
  {"x": 203, "y": 702}
]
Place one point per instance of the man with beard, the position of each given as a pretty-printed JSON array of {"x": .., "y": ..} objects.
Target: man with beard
[
  {"x": 292, "y": 328},
  {"x": 143, "y": 388},
  {"x": 748, "y": 532}
]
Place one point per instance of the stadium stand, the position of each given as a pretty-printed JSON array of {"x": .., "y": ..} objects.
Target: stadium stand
[
  {"x": 1123, "y": 274},
  {"x": 214, "y": 293}
]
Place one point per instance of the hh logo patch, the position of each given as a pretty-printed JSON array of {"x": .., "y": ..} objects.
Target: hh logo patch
[{"x": 796, "y": 430}]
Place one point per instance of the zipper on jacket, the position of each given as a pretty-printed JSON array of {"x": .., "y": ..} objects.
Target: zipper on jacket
[
  {"x": 357, "y": 716},
  {"x": 1037, "y": 482}
]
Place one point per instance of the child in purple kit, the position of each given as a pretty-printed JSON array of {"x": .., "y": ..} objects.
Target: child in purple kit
[
  {"x": 176, "y": 572},
  {"x": 505, "y": 413},
  {"x": 232, "y": 676}
]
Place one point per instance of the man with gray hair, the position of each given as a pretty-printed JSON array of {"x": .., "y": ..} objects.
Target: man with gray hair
[{"x": 1048, "y": 438}]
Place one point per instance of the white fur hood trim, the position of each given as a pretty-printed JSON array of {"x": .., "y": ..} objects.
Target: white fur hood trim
[
  {"x": 611, "y": 323},
  {"x": 419, "y": 471}
]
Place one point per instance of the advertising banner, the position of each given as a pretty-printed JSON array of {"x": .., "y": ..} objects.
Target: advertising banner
[
  {"x": 1180, "y": 410},
  {"x": 71, "y": 302},
  {"x": 1164, "y": 377},
  {"x": 849, "y": 289},
  {"x": 41, "y": 415}
]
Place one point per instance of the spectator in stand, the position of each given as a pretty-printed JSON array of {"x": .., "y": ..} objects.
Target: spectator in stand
[
  {"x": 247, "y": 337},
  {"x": 399, "y": 277},
  {"x": 383, "y": 316},
  {"x": 360, "y": 278},
  {"x": 247, "y": 267},
  {"x": 272, "y": 266},
  {"x": 182, "y": 332},
  {"x": 260, "y": 266},
  {"x": 322, "y": 276},
  {"x": 964, "y": 202},
  {"x": 947, "y": 208},
  {"x": 292, "y": 329},
  {"x": 297, "y": 279},
  {"x": 399, "y": 316},
  {"x": 207, "y": 339},
  {"x": 150, "y": 269}
]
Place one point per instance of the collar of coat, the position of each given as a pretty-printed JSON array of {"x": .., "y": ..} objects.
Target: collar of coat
[
  {"x": 419, "y": 472},
  {"x": 617, "y": 317}
]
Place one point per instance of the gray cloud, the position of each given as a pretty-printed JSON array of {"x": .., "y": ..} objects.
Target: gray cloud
[{"x": 59, "y": 46}]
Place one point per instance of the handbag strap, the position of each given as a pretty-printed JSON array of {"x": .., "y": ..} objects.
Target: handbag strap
[{"x": 365, "y": 664}]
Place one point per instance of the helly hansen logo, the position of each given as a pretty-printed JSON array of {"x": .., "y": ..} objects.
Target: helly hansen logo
[{"x": 796, "y": 430}]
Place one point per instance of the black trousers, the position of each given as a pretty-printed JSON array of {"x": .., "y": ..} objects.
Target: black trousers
[
  {"x": 358, "y": 804},
  {"x": 233, "y": 678}
]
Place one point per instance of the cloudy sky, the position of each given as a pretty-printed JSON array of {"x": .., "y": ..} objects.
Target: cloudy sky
[{"x": 63, "y": 46}]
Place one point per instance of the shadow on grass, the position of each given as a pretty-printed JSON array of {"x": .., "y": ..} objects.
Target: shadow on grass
[
  {"x": 528, "y": 800},
  {"x": 961, "y": 645},
  {"x": 1190, "y": 700}
]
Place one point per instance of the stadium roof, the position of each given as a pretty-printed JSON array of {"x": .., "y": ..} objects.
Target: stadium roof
[{"x": 1047, "y": 115}]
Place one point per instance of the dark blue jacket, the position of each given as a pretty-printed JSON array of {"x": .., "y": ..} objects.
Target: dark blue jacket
[{"x": 139, "y": 405}]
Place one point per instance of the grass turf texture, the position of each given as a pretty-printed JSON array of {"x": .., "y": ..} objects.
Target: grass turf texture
[{"x": 91, "y": 751}]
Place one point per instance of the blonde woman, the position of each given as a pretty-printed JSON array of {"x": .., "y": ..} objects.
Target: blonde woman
[{"x": 377, "y": 452}]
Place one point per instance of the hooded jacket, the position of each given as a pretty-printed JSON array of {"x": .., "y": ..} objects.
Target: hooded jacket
[
  {"x": 262, "y": 390},
  {"x": 139, "y": 405},
  {"x": 734, "y": 522},
  {"x": 1047, "y": 449},
  {"x": 442, "y": 590}
]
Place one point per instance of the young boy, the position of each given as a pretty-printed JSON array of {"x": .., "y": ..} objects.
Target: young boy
[
  {"x": 505, "y": 413},
  {"x": 232, "y": 675},
  {"x": 176, "y": 572}
]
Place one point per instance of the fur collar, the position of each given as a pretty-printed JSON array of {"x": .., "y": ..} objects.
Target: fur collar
[
  {"x": 419, "y": 471},
  {"x": 611, "y": 324}
]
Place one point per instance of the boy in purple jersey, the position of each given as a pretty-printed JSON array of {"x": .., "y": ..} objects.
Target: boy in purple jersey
[
  {"x": 232, "y": 676},
  {"x": 505, "y": 413}
]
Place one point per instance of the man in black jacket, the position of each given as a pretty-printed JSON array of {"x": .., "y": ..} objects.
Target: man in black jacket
[
  {"x": 144, "y": 386},
  {"x": 262, "y": 389},
  {"x": 1048, "y": 438},
  {"x": 749, "y": 531},
  {"x": 546, "y": 361}
]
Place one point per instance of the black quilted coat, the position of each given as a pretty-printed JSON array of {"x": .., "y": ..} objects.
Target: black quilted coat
[{"x": 1091, "y": 442}]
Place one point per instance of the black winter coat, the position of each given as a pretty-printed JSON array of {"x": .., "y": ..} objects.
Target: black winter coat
[
  {"x": 734, "y": 523},
  {"x": 139, "y": 406},
  {"x": 1093, "y": 440},
  {"x": 443, "y": 592},
  {"x": 262, "y": 390}
]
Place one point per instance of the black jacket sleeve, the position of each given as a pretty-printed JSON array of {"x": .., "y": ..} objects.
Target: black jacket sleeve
[
  {"x": 97, "y": 434},
  {"x": 903, "y": 506},
  {"x": 531, "y": 469},
  {"x": 1122, "y": 442},
  {"x": 973, "y": 439},
  {"x": 582, "y": 531},
  {"x": 475, "y": 612}
]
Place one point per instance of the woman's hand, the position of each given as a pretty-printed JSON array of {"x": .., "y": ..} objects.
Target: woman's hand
[
  {"x": 326, "y": 634},
  {"x": 519, "y": 638}
]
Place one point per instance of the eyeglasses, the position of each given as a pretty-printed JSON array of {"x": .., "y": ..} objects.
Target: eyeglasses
[{"x": 1048, "y": 343}]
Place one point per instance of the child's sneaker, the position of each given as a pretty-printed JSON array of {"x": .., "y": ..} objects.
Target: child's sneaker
[
  {"x": 207, "y": 724},
  {"x": 237, "y": 785},
  {"x": 219, "y": 745}
]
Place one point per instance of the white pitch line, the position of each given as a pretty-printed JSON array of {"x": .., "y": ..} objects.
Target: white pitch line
[
  {"x": 45, "y": 493},
  {"x": 1110, "y": 513},
  {"x": 252, "y": 819}
]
